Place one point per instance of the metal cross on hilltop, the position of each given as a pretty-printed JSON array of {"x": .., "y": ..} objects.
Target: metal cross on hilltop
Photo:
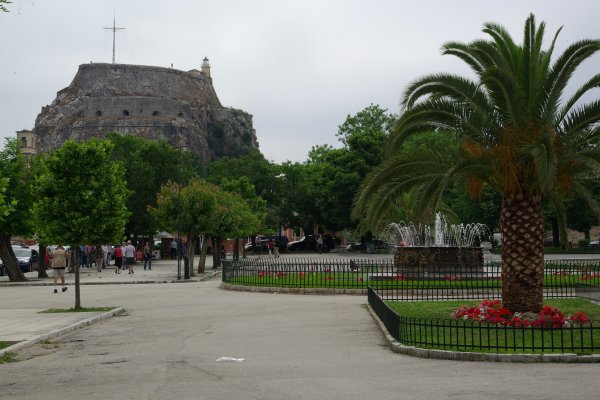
[{"x": 114, "y": 30}]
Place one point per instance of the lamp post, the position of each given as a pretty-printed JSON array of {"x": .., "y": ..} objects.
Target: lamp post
[
  {"x": 280, "y": 178},
  {"x": 179, "y": 244}
]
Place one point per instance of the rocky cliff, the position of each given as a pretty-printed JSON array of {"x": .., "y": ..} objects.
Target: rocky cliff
[{"x": 151, "y": 102}]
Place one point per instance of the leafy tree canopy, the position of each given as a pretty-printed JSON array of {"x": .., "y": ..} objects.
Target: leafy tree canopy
[
  {"x": 148, "y": 165},
  {"x": 14, "y": 167},
  {"x": 81, "y": 195},
  {"x": 6, "y": 207}
]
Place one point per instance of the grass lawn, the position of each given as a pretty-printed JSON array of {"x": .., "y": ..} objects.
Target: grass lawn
[
  {"x": 4, "y": 345},
  {"x": 428, "y": 324},
  {"x": 361, "y": 279}
]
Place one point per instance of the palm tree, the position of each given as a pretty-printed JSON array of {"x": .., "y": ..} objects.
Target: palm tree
[{"x": 511, "y": 130}]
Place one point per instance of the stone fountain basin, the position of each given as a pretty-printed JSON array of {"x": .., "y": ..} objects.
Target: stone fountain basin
[{"x": 412, "y": 260}]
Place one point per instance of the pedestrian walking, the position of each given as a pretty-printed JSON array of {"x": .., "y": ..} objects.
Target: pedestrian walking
[
  {"x": 270, "y": 246},
  {"x": 147, "y": 256},
  {"x": 276, "y": 249},
  {"x": 124, "y": 259},
  {"x": 107, "y": 250},
  {"x": 90, "y": 254},
  {"x": 173, "y": 249},
  {"x": 129, "y": 256},
  {"x": 118, "y": 259},
  {"x": 320, "y": 244},
  {"x": 58, "y": 263},
  {"x": 99, "y": 257}
]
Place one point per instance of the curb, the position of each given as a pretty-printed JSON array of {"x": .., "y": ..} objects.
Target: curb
[
  {"x": 292, "y": 290},
  {"x": 207, "y": 276},
  {"x": 61, "y": 331},
  {"x": 399, "y": 348}
]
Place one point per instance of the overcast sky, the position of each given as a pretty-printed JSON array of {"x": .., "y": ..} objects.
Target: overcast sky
[{"x": 299, "y": 67}]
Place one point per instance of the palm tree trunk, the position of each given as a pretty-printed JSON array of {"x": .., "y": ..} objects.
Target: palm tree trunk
[{"x": 522, "y": 252}]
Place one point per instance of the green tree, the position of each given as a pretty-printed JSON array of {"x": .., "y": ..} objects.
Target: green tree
[
  {"x": 14, "y": 167},
  {"x": 149, "y": 164},
  {"x": 365, "y": 134},
  {"x": 81, "y": 198},
  {"x": 233, "y": 217},
  {"x": 259, "y": 172},
  {"x": 6, "y": 207},
  {"x": 331, "y": 176},
  {"x": 579, "y": 216},
  {"x": 513, "y": 132},
  {"x": 188, "y": 210},
  {"x": 253, "y": 165},
  {"x": 257, "y": 208}
]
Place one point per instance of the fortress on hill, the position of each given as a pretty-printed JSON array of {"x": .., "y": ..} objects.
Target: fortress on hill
[{"x": 151, "y": 102}]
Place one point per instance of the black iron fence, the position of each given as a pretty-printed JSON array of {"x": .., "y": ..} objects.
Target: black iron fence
[
  {"x": 461, "y": 335},
  {"x": 563, "y": 278}
]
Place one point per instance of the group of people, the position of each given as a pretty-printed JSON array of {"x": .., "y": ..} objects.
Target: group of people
[
  {"x": 272, "y": 247},
  {"x": 58, "y": 259},
  {"x": 125, "y": 257},
  {"x": 178, "y": 248}
]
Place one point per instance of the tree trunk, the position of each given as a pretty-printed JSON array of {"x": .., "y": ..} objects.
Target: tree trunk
[
  {"x": 42, "y": 261},
  {"x": 236, "y": 249},
  {"x": 203, "y": 253},
  {"x": 75, "y": 258},
  {"x": 77, "y": 291},
  {"x": 11, "y": 265},
  {"x": 522, "y": 253},
  {"x": 191, "y": 250},
  {"x": 216, "y": 246}
]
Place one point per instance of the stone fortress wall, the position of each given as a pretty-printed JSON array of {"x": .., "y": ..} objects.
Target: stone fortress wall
[{"x": 152, "y": 102}]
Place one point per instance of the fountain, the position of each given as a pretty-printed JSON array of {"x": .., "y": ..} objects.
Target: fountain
[{"x": 443, "y": 249}]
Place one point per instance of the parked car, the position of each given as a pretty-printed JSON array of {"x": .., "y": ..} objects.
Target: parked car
[
  {"x": 593, "y": 245},
  {"x": 358, "y": 246},
  {"x": 263, "y": 246},
  {"x": 309, "y": 242},
  {"x": 25, "y": 258},
  {"x": 296, "y": 245},
  {"x": 264, "y": 243}
]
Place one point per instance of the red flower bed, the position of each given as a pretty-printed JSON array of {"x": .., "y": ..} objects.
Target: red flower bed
[{"x": 492, "y": 312}]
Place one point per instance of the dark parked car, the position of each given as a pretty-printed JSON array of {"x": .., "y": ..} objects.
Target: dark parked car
[
  {"x": 310, "y": 243},
  {"x": 264, "y": 246},
  {"x": 376, "y": 245},
  {"x": 297, "y": 245},
  {"x": 25, "y": 257}
]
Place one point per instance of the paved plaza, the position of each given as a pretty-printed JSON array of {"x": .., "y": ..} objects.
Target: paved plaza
[{"x": 167, "y": 343}]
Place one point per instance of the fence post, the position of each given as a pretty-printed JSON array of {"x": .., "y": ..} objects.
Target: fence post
[{"x": 228, "y": 270}]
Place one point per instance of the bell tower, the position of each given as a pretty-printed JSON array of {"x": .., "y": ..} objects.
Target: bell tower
[{"x": 205, "y": 67}]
